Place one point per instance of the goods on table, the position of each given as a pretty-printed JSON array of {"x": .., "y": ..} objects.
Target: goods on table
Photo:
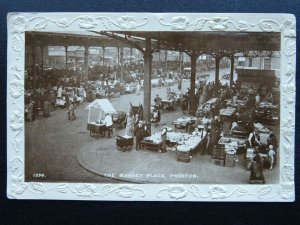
[
  {"x": 60, "y": 102},
  {"x": 206, "y": 107},
  {"x": 182, "y": 121},
  {"x": 267, "y": 113},
  {"x": 233, "y": 144},
  {"x": 184, "y": 141},
  {"x": 240, "y": 103},
  {"x": 267, "y": 105},
  {"x": 154, "y": 138},
  {"x": 227, "y": 112},
  {"x": 261, "y": 128}
]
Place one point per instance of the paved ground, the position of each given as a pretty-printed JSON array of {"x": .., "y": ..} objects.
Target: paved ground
[{"x": 63, "y": 151}]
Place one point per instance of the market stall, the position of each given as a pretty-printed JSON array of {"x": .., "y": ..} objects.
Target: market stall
[
  {"x": 183, "y": 143},
  {"x": 184, "y": 121},
  {"x": 97, "y": 111},
  {"x": 267, "y": 112}
]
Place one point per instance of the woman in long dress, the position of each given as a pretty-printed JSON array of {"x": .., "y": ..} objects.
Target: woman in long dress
[
  {"x": 59, "y": 92},
  {"x": 256, "y": 169},
  {"x": 29, "y": 111},
  {"x": 164, "y": 139},
  {"x": 203, "y": 97},
  {"x": 46, "y": 108},
  {"x": 138, "y": 88}
]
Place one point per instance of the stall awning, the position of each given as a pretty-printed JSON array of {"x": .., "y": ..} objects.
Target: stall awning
[{"x": 103, "y": 104}]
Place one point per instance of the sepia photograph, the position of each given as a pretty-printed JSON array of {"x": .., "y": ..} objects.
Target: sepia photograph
[{"x": 132, "y": 107}]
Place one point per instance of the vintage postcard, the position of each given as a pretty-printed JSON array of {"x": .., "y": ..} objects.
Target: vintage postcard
[{"x": 151, "y": 106}]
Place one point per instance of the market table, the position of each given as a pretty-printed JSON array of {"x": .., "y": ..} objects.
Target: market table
[
  {"x": 149, "y": 145},
  {"x": 228, "y": 112},
  {"x": 183, "y": 121},
  {"x": 238, "y": 143},
  {"x": 227, "y": 115},
  {"x": 168, "y": 104}
]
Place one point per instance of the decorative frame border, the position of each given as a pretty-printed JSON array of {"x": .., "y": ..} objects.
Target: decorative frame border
[{"x": 18, "y": 23}]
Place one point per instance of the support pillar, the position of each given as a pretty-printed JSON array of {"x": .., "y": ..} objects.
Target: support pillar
[
  {"x": 118, "y": 48},
  {"x": 103, "y": 56},
  {"x": 217, "y": 71},
  {"x": 66, "y": 55},
  {"x": 159, "y": 58},
  {"x": 130, "y": 56},
  {"x": 33, "y": 68},
  {"x": 121, "y": 62},
  {"x": 42, "y": 59},
  {"x": 86, "y": 62},
  {"x": 147, "y": 81},
  {"x": 180, "y": 62},
  {"x": 231, "y": 69},
  {"x": 166, "y": 61},
  {"x": 192, "y": 103}
]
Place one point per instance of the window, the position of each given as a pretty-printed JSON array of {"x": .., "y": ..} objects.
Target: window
[
  {"x": 267, "y": 63},
  {"x": 250, "y": 62}
]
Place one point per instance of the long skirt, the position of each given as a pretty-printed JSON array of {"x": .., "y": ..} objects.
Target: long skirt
[
  {"x": 46, "y": 109},
  {"x": 257, "y": 171}
]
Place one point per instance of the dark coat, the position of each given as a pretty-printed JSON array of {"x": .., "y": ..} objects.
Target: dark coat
[{"x": 139, "y": 132}]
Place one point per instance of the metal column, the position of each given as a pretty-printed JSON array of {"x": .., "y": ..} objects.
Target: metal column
[
  {"x": 33, "y": 68},
  {"x": 166, "y": 61},
  {"x": 231, "y": 69},
  {"x": 66, "y": 55},
  {"x": 121, "y": 62},
  {"x": 217, "y": 71},
  {"x": 192, "y": 104},
  {"x": 86, "y": 61},
  {"x": 147, "y": 80},
  {"x": 130, "y": 56},
  {"x": 42, "y": 58},
  {"x": 103, "y": 55}
]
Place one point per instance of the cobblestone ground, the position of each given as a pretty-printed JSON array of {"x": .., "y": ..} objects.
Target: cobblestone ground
[{"x": 52, "y": 144}]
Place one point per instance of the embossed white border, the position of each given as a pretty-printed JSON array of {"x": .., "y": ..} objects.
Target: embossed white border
[{"x": 18, "y": 23}]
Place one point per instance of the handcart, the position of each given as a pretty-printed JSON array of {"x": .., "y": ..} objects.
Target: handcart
[
  {"x": 124, "y": 143},
  {"x": 97, "y": 111},
  {"x": 96, "y": 129}
]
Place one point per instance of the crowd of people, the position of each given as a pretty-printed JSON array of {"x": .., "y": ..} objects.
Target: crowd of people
[
  {"x": 57, "y": 88},
  {"x": 246, "y": 103}
]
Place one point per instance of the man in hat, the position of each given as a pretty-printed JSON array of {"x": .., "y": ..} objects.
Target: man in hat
[
  {"x": 138, "y": 135},
  {"x": 157, "y": 101}
]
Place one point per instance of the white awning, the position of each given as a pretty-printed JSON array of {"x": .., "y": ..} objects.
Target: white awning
[
  {"x": 242, "y": 59},
  {"x": 103, "y": 104}
]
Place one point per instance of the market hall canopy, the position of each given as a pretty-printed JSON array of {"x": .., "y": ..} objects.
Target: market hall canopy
[
  {"x": 217, "y": 44},
  {"x": 201, "y": 42}
]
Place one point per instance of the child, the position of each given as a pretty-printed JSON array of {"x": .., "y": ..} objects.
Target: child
[
  {"x": 71, "y": 111},
  {"x": 271, "y": 155}
]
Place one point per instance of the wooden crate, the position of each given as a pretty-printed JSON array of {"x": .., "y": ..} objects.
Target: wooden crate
[
  {"x": 183, "y": 156},
  {"x": 218, "y": 152},
  {"x": 183, "y": 159},
  {"x": 229, "y": 160},
  {"x": 218, "y": 162}
]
